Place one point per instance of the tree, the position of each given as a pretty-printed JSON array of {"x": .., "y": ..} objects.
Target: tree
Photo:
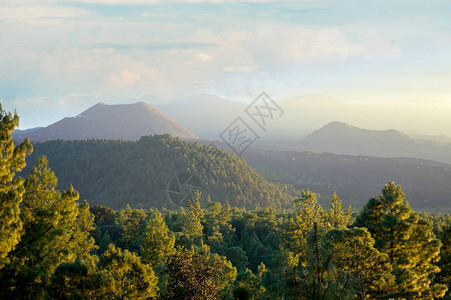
[
  {"x": 335, "y": 217},
  {"x": 411, "y": 247},
  {"x": 307, "y": 213},
  {"x": 131, "y": 224},
  {"x": 12, "y": 160},
  {"x": 295, "y": 239},
  {"x": 48, "y": 217},
  {"x": 82, "y": 243},
  {"x": 76, "y": 281},
  {"x": 158, "y": 241},
  {"x": 125, "y": 276},
  {"x": 198, "y": 275},
  {"x": 362, "y": 270},
  {"x": 444, "y": 276},
  {"x": 192, "y": 228}
]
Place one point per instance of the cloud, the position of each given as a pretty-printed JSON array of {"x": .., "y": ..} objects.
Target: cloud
[
  {"x": 204, "y": 57},
  {"x": 121, "y": 49},
  {"x": 241, "y": 68},
  {"x": 33, "y": 101},
  {"x": 154, "y": 46},
  {"x": 46, "y": 13},
  {"x": 123, "y": 79}
]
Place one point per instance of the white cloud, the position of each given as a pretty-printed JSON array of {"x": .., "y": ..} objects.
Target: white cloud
[
  {"x": 39, "y": 14},
  {"x": 241, "y": 68},
  {"x": 124, "y": 78},
  {"x": 204, "y": 57}
]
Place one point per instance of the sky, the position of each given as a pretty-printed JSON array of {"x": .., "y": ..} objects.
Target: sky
[{"x": 57, "y": 58}]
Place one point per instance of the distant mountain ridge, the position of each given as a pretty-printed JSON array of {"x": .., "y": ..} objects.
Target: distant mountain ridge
[
  {"x": 342, "y": 138},
  {"x": 103, "y": 121}
]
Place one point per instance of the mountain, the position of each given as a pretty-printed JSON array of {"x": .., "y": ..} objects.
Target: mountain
[
  {"x": 205, "y": 115},
  {"x": 20, "y": 132},
  {"x": 102, "y": 121},
  {"x": 357, "y": 178},
  {"x": 437, "y": 138},
  {"x": 156, "y": 171},
  {"x": 342, "y": 138}
]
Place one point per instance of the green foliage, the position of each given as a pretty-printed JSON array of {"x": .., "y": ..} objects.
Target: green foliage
[
  {"x": 361, "y": 270},
  {"x": 75, "y": 281},
  {"x": 158, "y": 241},
  {"x": 131, "y": 223},
  {"x": 198, "y": 275},
  {"x": 407, "y": 240},
  {"x": 12, "y": 160},
  {"x": 444, "y": 276},
  {"x": 125, "y": 276},
  {"x": 114, "y": 173},
  {"x": 192, "y": 228},
  {"x": 50, "y": 225}
]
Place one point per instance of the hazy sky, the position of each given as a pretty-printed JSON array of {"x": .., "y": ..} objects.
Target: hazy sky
[{"x": 59, "y": 57}]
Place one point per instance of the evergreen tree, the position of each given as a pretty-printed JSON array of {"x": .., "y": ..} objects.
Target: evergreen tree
[
  {"x": 82, "y": 243},
  {"x": 335, "y": 217},
  {"x": 362, "y": 271},
  {"x": 192, "y": 228},
  {"x": 444, "y": 276},
  {"x": 158, "y": 241},
  {"x": 49, "y": 219},
  {"x": 76, "y": 281},
  {"x": 12, "y": 160},
  {"x": 407, "y": 240},
  {"x": 131, "y": 223},
  {"x": 198, "y": 275},
  {"x": 307, "y": 213},
  {"x": 125, "y": 276}
]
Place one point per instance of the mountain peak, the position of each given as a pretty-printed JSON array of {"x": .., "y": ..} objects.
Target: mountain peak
[
  {"x": 118, "y": 121},
  {"x": 342, "y": 138},
  {"x": 338, "y": 125}
]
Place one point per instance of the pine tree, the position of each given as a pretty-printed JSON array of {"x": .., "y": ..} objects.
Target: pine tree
[
  {"x": 49, "y": 220},
  {"x": 131, "y": 223},
  {"x": 362, "y": 271},
  {"x": 12, "y": 160},
  {"x": 444, "y": 276},
  {"x": 192, "y": 228},
  {"x": 198, "y": 275},
  {"x": 158, "y": 241},
  {"x": 307, "y": 213},
  {"x": 335, "y": 216},
  {"x": 411, "y": 247},
  {"x": 81, "y": 243},
  {"x": 125, "y": 276}
]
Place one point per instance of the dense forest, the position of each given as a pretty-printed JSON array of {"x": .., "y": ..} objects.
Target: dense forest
[
  {"x": 119, "y": 172},
  {"x": 357, "y": 178},
  {"x": 54, "y": 246}
]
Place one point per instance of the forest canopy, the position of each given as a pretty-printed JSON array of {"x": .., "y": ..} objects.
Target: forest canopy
[{"x": 118, "y": 172}]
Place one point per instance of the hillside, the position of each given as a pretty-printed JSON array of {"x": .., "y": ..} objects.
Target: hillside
[
  {"x": 125, "y": 121},
  {"x": 140, "y": 173},
  {"x": 357, "y": 178},
  {"x": 342, "y": 138}
]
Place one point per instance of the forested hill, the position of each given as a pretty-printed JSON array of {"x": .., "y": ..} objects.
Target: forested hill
[
  {"x": 140, "y": 173},
  {"x": 357, "y": 178}
]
